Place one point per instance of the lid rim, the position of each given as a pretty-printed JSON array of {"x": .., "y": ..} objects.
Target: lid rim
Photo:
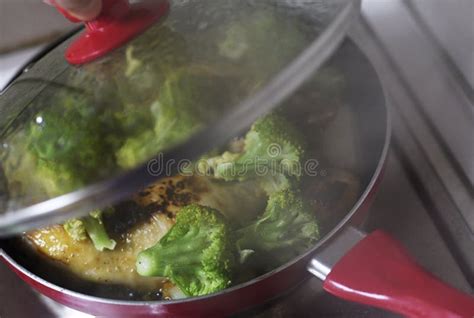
[{"x": 115, "y": 189}]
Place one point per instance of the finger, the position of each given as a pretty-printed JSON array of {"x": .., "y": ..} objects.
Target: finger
[{"x": 82, "y": 9}]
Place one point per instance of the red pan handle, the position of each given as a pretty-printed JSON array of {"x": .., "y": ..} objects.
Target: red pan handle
[{"x": 379, "y": 272}]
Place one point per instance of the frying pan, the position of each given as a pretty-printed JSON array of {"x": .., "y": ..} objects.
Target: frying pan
[{"x": 375, "y": 269}]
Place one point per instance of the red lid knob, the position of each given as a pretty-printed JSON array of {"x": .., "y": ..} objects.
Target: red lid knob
[{"x": 118, "y": 23}]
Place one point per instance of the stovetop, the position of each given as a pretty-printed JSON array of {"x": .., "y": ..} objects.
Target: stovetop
[{"x": 426, "y": 198}]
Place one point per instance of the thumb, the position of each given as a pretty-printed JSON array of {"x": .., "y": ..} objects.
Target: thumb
[{"x": 82, "y": 9}]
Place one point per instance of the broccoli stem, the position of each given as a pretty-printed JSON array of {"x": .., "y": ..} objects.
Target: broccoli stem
[
  {"x": 182, "y": 254},
  {"x": 196, "y": 254},
  {"x": 97, "y": 233}
]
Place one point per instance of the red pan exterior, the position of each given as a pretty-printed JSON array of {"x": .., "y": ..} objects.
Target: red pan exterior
[{"x": 215, "y": 306}]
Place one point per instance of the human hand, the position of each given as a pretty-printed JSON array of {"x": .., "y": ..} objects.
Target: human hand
[{"x": 81, "y": 9}]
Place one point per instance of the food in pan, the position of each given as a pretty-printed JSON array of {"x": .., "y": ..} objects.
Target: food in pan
[
  {"x": 236, "y": 213},
  {"x": 193, "y": 232}
]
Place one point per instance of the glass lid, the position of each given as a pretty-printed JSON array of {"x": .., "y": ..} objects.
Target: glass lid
[{"x": 73, "y": 139}]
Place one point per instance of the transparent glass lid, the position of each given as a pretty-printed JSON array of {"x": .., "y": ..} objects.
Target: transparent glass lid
[{"x": 77, "y": 138}]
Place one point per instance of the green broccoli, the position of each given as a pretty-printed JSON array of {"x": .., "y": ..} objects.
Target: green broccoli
[
  {"x": 196, "y": 254},
  {"x": 273, "y": 151},
  {"x": 278, "y": 182},
  {"x": 90, "y": 226},
  {"x": 75, "y": 229},
  {"x": 189, "y": 98},
  {"x": 146, "y": 63},
  {"x": 69, "y": 143},
  {"x": 262, "y": 42},
  {"x": 76, "y": 137},
  {"x": 287, "y": 228}
]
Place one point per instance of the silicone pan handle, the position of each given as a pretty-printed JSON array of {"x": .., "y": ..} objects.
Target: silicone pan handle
[
  {"x": 118, "y": 23},
  {"x": 378, "y": 271}
]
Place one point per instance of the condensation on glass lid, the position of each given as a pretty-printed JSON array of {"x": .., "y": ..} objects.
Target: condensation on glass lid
[{"x": 64, "y": 128}]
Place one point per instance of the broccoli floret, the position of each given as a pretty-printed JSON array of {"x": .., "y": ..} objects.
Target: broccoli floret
[
  {"x": 262, "y": 42},
  {"x": 277, "y": 182},
  {"x": 287, "y": 228},
  {"x": 273, "y": 151},
  {"x": 188, "y": 99},
  {"x": 196, "y": 254},
  {"x": 75, "y": 229},
  {"x": 91, "y": 226},
  {"x": 69, "y": 143},
  {"x": 75, "y": 135}
]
